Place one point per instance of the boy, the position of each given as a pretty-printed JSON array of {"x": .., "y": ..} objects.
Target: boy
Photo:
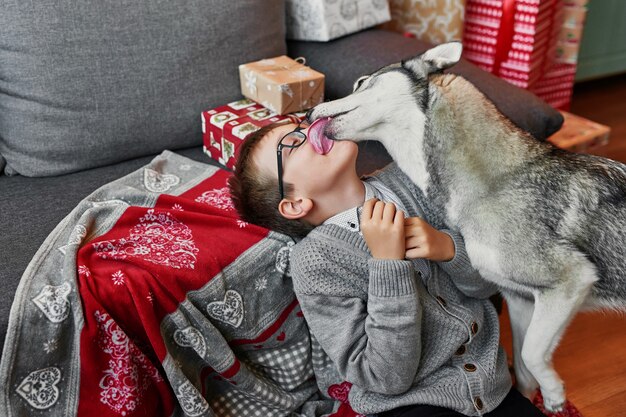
[{"x": 393, "y": 302}]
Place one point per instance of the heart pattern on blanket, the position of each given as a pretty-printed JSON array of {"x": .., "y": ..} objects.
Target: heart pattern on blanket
[
  {"x": 340, "y": 392},
  {"x": 191, "y": 337},
  {"x": 159, "y": 238},
  {"x": 39, "y": 388},
  {"x": 158, "y": 183},
  {"x": 282, "y": 259},
  {"x": 77, "y": 235},
  {"x": 218, "y": 197},
  {"x": 190, "y": 400},
  {"x": 229, "y": 311},
  {"x": 128, "y": 374},
  {"x": 53, "y": 302}
]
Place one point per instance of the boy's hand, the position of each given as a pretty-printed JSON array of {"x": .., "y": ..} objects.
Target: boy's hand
[
  {"x": 383, "y": 229},
  {"x": 424, "y": 241}
]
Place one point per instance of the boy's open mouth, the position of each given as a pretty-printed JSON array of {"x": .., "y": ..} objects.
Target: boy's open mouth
[{"x": 321, "y": 144}]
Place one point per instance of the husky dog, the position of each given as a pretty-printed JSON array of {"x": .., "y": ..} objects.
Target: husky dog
[{"x": 547, "y": 226}]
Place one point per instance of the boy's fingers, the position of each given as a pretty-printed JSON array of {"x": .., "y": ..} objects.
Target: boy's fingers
[
  {"x": 377, "y": 214},
  {"x": 368, "y": 208},
  {"x": 412, "y": 242},
  {"x": 415, "y": 253},
  {"x": 399, "y": 217},
  {"x": 389, "y": 212},
  {"x": 412, "y": 220}
]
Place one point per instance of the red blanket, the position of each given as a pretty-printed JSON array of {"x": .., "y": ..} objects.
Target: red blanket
[{"x": 152, "y": 298}]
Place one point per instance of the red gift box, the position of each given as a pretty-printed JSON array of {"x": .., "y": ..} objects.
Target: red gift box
[
  {"x": 579, "y": 134},
  {"x": 513, "y": 39},
  {"x": 224, "y": 128}
]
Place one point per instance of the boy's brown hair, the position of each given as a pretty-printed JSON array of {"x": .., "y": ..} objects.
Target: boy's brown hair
[{"x": 255, "y": 195}]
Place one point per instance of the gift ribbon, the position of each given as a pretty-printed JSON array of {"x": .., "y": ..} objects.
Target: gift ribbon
[
  {"x": 506, "y": 33},
  {"x": 504, "y": 41}
]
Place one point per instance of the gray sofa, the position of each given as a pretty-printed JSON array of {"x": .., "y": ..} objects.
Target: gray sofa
[{"x": 92, "y": 91}]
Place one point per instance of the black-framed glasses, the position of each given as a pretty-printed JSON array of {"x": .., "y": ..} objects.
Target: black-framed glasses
[{"x": 291, "y": 140}]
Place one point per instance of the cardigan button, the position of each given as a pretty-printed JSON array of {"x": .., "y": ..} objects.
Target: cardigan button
[
  {"x": 460, "y": 351},
  {"x": 478, "y": 403},
  {"x": 470, "y": 367},
  {"x": 474, "y": 327}
]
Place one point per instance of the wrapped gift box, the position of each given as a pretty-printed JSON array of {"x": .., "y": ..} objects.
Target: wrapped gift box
[
  {"x": 282, "y": 84},
  {"x": 323, "y": 20},
  {"x": 224, "y": 128},
  {"x": 513, "y": 39},
  {"x": 571, "y": 31},
  {"x": 434, "y": 22},
  {"x": 579, "y": 134},
  {"x": 556, "y": 86}
]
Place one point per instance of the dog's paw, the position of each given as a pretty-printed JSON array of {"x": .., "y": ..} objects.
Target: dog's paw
[
  {"x": 553, "y": 401},
  {"x": 567, "y": 409},
  {"x": 553, "y": 406}
]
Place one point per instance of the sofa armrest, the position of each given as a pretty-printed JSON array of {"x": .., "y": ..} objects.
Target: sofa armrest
[{"x": 343, "y": 60}]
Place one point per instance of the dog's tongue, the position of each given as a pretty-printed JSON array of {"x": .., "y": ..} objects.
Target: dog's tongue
[{"x": 321, "y": 144}]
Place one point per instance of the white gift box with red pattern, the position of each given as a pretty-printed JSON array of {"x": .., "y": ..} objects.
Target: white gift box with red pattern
[
  {"x": 555, "y": 87},
  {"x": 513, "y": 39},
  {"x": 224, "y": 128}
]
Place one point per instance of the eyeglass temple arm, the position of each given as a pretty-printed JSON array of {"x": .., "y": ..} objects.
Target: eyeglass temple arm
[{"x": 279, "y": 152}]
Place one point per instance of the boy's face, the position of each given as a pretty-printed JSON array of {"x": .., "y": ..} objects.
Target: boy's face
[{"x": 311, "y": 174}]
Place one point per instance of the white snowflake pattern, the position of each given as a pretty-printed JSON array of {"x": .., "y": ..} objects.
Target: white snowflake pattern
[
  {"x": 83, "y": 270},
  {"x": 118, "y": 278},
  {"x": 150, "y": 297},
  {"x": 241, "y": 223},
  {"x": 260, "y": 284},
  {"x": 251, "y": 82},
  {"x": 177, "y": 207},
  {"x": 50, "y": 345},
  {"x": 219, "y": 197},
  {"x": 286, "y": 88}
]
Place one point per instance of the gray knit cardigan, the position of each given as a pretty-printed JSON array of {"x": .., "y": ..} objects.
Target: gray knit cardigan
[{"x": 398, "y": 335}]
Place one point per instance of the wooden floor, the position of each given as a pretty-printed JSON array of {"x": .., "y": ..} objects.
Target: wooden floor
[{"x": 591, "y": 358}]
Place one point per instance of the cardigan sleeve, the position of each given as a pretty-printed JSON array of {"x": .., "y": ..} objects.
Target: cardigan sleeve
[
  {"x": 374, "y": 343},
  {"x": 465, "y": 277}
]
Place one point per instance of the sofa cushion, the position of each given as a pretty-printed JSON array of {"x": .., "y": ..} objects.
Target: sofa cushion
[
  {"x": 85, "y": 84},
  {"x": 344, "y": 60}
]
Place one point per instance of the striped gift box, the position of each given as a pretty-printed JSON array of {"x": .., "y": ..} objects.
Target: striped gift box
[{"x": 513, "y": 39}]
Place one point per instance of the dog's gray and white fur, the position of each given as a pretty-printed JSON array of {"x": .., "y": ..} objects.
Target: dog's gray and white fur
[{"x": 546, "y": 225}]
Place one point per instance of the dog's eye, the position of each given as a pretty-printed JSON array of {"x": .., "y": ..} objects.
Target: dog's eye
[{"x": 358, "y": 82}]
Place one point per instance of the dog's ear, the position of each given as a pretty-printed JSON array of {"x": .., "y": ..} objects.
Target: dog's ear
[{"x": 436, "y": 59}]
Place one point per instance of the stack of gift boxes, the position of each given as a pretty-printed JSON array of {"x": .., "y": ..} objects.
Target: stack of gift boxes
[
  {"x": 530, "y": 43},
  {"x": 277, "y": 89},
  {"x": 534, "y": 45},
  {"x": 280, "y": 88},
  {"x": 511, "y": 39},
  {"x": 556, "y": 85}
]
